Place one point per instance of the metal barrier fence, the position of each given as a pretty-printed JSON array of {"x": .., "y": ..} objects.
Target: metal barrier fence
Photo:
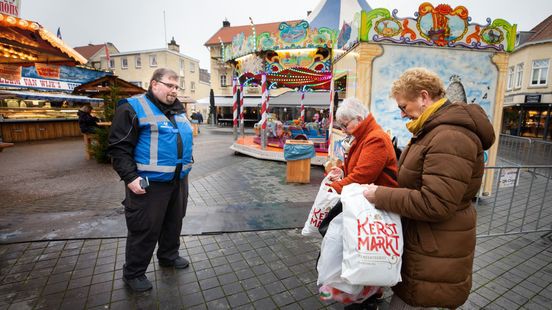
[
  {"x": 524, "y": 151},
  {"x": 520, "y": 201}
]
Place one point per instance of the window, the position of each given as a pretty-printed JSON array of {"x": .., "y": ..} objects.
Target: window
[
  {"x": 111, "y": 63},
  {"x": 138, "y": 61},
  {"x": 182, "y": 66},
  {"x": 223, "y": 80},
  {"x": 510, "y": 84},
  {"x": 153, "y": 60},
  {"x": 192, "y": 86},
  {"x": 182, "y": 83},
  {"x": 192, "y": 67},
  {"x": 539, "y": 72},
  {"x": 519, "y": 75},
  {"x": 124, "y": 63}
]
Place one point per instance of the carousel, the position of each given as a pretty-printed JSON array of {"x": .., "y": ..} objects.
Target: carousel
[
  {"x": 298, "y": 58},
  {"x": 346, "y": 47}
]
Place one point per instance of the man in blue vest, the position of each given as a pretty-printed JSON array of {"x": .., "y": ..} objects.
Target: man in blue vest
[{"x": 151, "y": 145}]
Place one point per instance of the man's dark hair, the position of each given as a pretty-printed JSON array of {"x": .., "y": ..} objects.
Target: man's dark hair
[{"x": 160, "y": 73}]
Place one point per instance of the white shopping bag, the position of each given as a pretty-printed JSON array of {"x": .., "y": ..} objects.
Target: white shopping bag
[
  {"x": 325, "y": 200},
  {"x": 372, "y": 241},
  {"x": 331, "y": 255}
]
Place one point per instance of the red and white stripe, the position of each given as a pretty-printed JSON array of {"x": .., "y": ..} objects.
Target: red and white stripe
[
  {"x": 264, "y": 102},
  {"x": 331, "y": 111},
  {"x": 241, "y": 105},
  {"x": 302, "y": 107},
  {"x": 235, "y": 100}
]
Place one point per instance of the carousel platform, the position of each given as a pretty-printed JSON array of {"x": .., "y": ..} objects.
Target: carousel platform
[{"x": 247, "y": 146}]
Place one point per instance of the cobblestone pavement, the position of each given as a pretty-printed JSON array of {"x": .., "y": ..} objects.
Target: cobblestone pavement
[
  {"x": 50, "y": 182},
  {"x": 49, "y": 192}
]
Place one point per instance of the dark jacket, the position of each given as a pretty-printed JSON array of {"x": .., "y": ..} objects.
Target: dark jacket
[
  {"x": 87, "y": 122},
  {"x": 439, "y": 174},
  {"x": 124, "y": 133}
]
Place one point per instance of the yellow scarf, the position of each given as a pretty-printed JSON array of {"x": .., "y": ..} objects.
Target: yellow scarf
[{"x": 415, "y": 125}]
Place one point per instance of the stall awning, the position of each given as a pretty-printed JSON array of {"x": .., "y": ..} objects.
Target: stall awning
[
  {"x": 47, "y": 96},
  {"x": 293, "y": 99},
  {"x": 227, "y": 101},
  {"x": 289, "y": 99},
  {"x": 24, "y": 42}
]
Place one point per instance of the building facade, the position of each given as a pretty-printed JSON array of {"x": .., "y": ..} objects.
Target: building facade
[
  {"x": 528, "y": 98},
  {"x": 137, "y": 67},
  {"x": 94, "y": 53}
]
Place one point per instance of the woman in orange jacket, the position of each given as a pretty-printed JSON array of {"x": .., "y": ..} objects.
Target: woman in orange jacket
[{"x": 371, "y": 156}]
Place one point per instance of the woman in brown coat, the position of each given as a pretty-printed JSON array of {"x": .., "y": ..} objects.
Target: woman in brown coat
[{"x": 439, "y": 174}]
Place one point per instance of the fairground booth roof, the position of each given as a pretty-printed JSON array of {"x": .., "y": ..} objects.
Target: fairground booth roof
[
  {"x": 24, "y": 42},
  {"x": 299, "y": 54}
]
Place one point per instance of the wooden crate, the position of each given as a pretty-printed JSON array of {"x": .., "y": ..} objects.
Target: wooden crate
[{"x": 298, "y": 171}]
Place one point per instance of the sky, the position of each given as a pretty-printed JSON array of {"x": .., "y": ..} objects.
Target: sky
[{"x": 139, "y": 24}]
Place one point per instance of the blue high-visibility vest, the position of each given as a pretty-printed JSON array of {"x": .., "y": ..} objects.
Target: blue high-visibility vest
[{"x": 156, "y": 153}]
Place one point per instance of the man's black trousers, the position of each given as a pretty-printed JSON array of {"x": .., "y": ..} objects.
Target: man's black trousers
[{"x": 155, "y": 217}]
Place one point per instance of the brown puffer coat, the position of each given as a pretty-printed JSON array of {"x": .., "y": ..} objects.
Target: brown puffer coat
[{"x": 439, "y": 174}]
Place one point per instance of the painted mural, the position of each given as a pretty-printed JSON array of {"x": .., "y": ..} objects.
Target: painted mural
[
  {"x": 289, "y": 36},
  {"x": 468, "y": 76},
  {"x": 441, "y": 25}
]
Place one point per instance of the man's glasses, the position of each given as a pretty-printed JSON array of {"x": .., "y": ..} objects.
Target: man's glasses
[{"x": 169, "y": 85}]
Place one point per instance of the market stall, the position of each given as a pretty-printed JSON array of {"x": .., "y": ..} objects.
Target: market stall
[{"x": 37, "y": 76}]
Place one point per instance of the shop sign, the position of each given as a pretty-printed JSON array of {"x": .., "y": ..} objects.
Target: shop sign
[
  {"x": 533, "y": 98},
  {"x": 10, "y": 72},
  {"x": 508, "y": 178},
  {"x": 47, "y": 71},
  {"x": 27, "y": 82},
  {"x": 10, "y": 7}
]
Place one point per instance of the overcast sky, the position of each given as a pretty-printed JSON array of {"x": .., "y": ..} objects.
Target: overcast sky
[{"x": 138, "y": 24}]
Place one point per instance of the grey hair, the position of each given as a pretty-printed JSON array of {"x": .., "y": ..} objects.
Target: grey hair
[
  {"x": 351, "y": 108},
  {"x": 160, "y": 73}
]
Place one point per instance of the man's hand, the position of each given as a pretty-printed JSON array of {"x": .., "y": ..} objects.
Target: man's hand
[
  {"x": 335, "y": 174},
  {"x": 370, "y": 192},
  {"x": 135, "y": 187}
]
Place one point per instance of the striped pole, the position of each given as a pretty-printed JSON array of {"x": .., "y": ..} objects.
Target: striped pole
[
  {"x": 235, "y": 108},
  {"x": 242, "y": 129},
  {"x": 264, "y": 112},
  {"x": 302, "y": 107},
  {"x": 331, "y": 112}
]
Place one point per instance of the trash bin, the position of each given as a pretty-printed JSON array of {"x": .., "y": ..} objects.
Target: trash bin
[
  {"x": 298, "y": 154},
  {"x": 195, "y": 127}
]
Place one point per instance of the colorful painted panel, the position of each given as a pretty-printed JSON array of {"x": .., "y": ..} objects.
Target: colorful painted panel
[
  {"x": 314, "y": 59},
  {"x": 442, "y": 25},
  {"x": 250, "y": 63},
  {"x": 289, "y": 36},
  {"x": 349, "y": 33},
  {"x": 468, "y": 76},
  {"x": 242, "y": 45}
]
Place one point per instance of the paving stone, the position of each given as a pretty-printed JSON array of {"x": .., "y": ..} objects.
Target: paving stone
[
  {"x": 238, "y": 299},
  {"x": 257, "y": 293},
  {"x": 217, "y": 304},
  {"x": 209, "y": 283}
]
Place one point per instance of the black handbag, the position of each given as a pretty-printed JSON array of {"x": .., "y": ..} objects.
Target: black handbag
[{"x": 323, "y": 228}]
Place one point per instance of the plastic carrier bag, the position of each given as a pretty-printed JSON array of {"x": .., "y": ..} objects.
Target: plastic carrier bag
[
  {"x": 372, "y": 241},
  {"x": 326, "y": 198},
  {"x": 333, "y": 287}
]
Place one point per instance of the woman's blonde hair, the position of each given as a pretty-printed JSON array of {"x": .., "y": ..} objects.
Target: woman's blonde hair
[{"x": 414, "y": 80}]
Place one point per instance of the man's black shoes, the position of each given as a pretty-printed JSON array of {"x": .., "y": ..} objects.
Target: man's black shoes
[
  {"x": 138, "y": 284},
  {"x": 178, "y": 263}
]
